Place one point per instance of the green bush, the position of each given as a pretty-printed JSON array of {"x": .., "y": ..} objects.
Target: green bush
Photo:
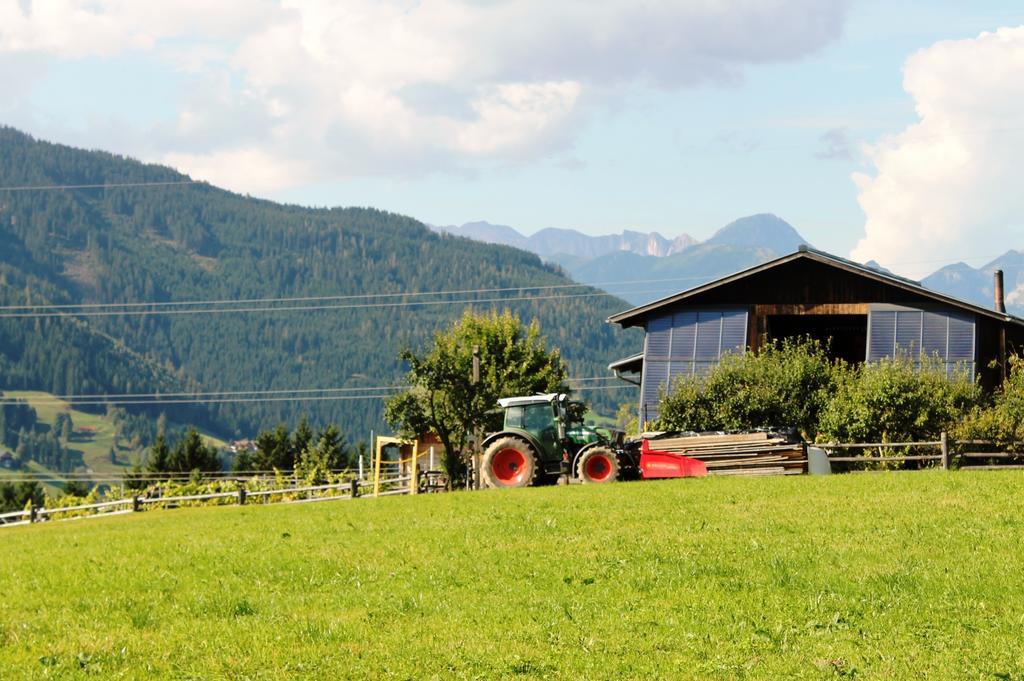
[
  {"x": 1001, "y": 422},
  {"x": 784, "y": 384},
  {"x": 794, "y": 384},
  {"x": 896, "y": 400}
]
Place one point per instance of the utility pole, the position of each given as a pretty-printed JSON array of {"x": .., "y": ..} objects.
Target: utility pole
[{"x": 475, "y": 379}]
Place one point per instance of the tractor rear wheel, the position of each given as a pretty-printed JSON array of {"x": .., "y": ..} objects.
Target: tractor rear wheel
[
  {"x": 597, "y": 466},
  {"x": 509, "y": 462}
]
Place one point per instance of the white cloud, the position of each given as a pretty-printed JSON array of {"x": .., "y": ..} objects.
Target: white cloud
[
  {"x": 948, "y": 186},
  {"x": 360, "y": 87},
  {"x": 78, "y": 28},
  {"x": 244, "y": 170}
]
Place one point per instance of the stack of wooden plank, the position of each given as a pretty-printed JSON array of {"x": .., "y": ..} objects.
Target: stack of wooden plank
[{"x": 759, "y": 453}]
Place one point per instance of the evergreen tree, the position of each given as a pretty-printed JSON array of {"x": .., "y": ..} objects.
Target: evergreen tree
[
  {"x": 274, "y": 450},
  {"x": 190, "y": 453},
  {"x": 302, "y": 437},
  {"x": 159, "y": 459},
  {"x": 76, "y": 488},
  {"x": 67, "y": 429}
]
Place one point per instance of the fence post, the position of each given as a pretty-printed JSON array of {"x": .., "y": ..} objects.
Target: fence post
[
  {"x": 354, "y": 491},
  {"x": 136, "y": 503},
  {"x": 241, "y": 496},
  {"x": 414, "y": 469},
  {"x": 944, "y": 445},
  {"x": 33, "y": 514}
]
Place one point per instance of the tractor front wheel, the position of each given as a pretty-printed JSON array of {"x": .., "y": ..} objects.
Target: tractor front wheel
[
  {"x": 509, "y": 462},
  {"x": 597, "y": 466}
]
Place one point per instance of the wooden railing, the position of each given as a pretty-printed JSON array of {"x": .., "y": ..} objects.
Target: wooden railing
[
  {"x": 134, "y": 504},
  {"x": 948, "y": 453}
]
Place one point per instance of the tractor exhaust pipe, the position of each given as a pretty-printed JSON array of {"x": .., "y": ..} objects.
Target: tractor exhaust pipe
[{"x": 1000, "y": 299}]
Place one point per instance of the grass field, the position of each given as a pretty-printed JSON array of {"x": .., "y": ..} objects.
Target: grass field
[{"x": 892, "y": 575}]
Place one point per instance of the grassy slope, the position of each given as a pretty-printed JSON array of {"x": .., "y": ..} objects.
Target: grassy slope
[
  {"x": 94, "y": 443},
  {"x": 899, "y": 575}
]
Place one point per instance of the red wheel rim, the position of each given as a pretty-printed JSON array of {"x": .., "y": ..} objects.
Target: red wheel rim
[
  {"x": 598, "y": 468},
  {"x": 509, "y": 466}
]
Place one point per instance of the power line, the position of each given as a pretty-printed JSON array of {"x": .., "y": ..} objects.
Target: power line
[
  {"x": 112, "y": 185},
  {"x": 217, "y": 396},
  {"x": 211, "y": 393},
  {"x": 230, "y": 301},
  {"x": 217, "y": 400},
  {"x": 306, "y": 308},
  {"x": 106, "y": 308}
]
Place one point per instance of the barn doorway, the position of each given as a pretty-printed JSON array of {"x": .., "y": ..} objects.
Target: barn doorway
[{"x": 846, "y": 333}]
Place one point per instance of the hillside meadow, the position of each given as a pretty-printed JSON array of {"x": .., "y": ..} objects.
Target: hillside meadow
[
  {"x": 889, "y": 575},
  {"x": 95, "y": 435}
]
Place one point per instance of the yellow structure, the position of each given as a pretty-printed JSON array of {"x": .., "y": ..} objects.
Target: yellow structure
[{"x": 408, "y": 462}]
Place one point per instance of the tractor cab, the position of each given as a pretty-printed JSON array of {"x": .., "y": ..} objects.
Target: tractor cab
[{"x": 542, "y": 417}]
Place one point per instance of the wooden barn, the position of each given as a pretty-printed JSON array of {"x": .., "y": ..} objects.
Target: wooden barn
[{"x": 866, "y": 314}]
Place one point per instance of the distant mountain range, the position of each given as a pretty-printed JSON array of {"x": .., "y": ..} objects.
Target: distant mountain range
[
  {"x": 977, "y": 285},
  {"x": 559, "y": 245},
  {"x": 641, "y": 267}
]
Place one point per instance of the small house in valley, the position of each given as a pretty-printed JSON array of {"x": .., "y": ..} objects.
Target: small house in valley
[{"x": 864, "y": 313}]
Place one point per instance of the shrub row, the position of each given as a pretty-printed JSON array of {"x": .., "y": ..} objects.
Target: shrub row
[{"x": 795, "y": 384}]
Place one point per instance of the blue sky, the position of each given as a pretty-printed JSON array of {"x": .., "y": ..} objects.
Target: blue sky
[{"x": 681, "y": 136}]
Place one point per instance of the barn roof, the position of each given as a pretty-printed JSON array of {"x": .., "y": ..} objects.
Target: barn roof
[{"x": 638, "y": 315}]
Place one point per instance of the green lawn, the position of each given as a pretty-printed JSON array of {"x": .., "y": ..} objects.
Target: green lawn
[{"x": 892, "y": 575}]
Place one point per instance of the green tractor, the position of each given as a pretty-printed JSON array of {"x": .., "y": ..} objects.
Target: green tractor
[{"x": 538, "y": 444}]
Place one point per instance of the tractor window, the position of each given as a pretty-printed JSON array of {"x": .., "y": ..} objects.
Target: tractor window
[
  {"x": 514, "y": 417},
  {"x": 531, "y": 417},
  {"x": 538, "y": 417}
]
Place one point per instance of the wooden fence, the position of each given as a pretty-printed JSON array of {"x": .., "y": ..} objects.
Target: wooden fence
[
  {"x": 134, "y": 504},
  {"x": 948, "y": 453}
]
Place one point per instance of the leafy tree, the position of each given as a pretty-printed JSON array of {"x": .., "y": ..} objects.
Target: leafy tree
[
  {"x": 443, "y": 399},
  {"x": 1002, "y": 421}
]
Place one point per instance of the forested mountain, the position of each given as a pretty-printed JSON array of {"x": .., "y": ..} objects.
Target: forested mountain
[{"x": 197, "y": 242}]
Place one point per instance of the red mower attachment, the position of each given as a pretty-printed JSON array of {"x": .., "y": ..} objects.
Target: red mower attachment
[{"x": 658, "y": 464}]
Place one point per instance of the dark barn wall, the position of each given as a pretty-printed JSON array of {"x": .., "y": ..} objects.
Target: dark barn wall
[
  {"x": 993, "y": 351},
  {"x": 808, "y": 282}
]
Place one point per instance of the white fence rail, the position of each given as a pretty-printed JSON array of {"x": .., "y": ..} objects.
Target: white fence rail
[{"x": 135, "y": 504}]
